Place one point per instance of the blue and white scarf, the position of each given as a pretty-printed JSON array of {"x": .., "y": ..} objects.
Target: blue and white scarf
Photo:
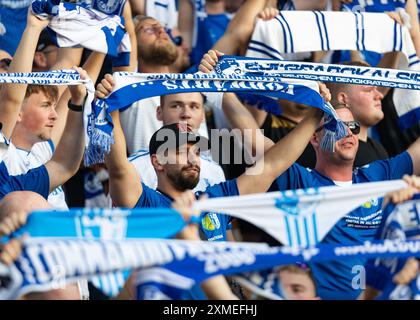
[
  {"x": 131, "y": 87},
  {"x": 74, "y": 25},
  {"x": 299, "y": 218},
  {"x": 110, "y": 7},
  {"x": 56, "y": 77},
  {"x": 288, "y": 33},
  {"x": 115, "y": 224},
  {"x": 104, "y": 223},
  {"x": 401, "y": 222},
  {"x": 46, "y": 264}
]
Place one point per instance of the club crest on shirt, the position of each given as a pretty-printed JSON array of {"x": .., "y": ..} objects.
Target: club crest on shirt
[
  {"x": 210, "y": 222},
  {"x": 371, "y": 203}
]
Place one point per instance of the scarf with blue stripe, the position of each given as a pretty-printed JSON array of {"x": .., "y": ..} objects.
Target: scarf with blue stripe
[
  {"x": 96, "y": 26},
  {"x": 303, "y": 217},
  {"x": 131, "y": 87},
  {"x": 287, "y": 33},
  {"x": 120, "y": 224},
  {"x": 400, "y": 222},
  {"x": 36, "y": 269}
]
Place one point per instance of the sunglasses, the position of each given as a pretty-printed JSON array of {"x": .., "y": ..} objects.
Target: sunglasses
[{"x": 354, "y": 126}]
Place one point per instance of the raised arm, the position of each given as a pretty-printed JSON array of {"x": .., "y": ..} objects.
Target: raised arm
[
  {"x": 186, "y": 16},
  {"x": 412, "y": 10},
  {"x": 93, "y": 67},
  {"x": 66, "y": 159},
  {"x": 125, "y": 185},
  {"x": 239, "y": 117},
  {"x": 12, "y": 95},
  {"x": 414, "y": 151},
  {"x": 239, "y": 31},
  {"x": 138, "y": 7},
  {"x": 129, "y": 28},
  {"x": 280, "y": 157}
]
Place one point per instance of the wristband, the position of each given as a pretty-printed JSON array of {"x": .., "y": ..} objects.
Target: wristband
[{"x": 74, "y": 107}]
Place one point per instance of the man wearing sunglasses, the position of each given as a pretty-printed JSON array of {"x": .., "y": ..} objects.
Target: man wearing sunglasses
[
  {"x": 335, "y": 280},
  {"x": 365, "y": 102}
]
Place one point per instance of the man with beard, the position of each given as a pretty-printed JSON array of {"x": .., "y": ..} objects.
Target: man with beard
[
  {"x": 156, "y": 54},
  {"x": 185, "y": 108},
  {"x": 175, "y": 156}
]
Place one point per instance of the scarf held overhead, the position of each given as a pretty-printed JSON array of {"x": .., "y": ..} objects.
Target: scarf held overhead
[
  {"x": 299, "y": 218},
  {"x": 131, "y": 87},
  {"x": 74, "y": 25},
  {"x": 287, "y": 33},
  {"x": 46, "y": 264}
]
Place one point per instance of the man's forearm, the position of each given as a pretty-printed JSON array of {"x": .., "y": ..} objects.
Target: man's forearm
[
  {"x": 12, "y": 95},
  {"x": 66, "y": 159},
  {"x": 240, "y": 118},
  {"x": 292, "y": 145}
]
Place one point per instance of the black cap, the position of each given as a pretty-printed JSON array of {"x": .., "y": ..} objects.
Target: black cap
[
  {"x": 172, "y": 136},
  {"x": 44, "y": 41}
]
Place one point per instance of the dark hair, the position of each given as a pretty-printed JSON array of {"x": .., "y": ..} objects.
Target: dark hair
[{"x": 248, "y": 230}]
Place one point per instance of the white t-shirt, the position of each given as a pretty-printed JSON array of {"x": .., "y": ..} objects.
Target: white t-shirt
[
  {"x": 343, "y": 183},
  {"x": 20, "y": 161},
  {"x": 210, "y": 174},
  {"x": 139, "y": 123}
]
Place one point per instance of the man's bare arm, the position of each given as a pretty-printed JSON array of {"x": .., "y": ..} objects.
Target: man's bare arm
[{"x": 12, "y": 95}]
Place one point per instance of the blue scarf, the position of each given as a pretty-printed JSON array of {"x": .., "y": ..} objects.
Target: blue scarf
[
  {"x": 103, "y": 223},
  {"x": 36, "y": 268},
  {"x": 131, "y": 87},
  {"x": 400, "y": 222}
]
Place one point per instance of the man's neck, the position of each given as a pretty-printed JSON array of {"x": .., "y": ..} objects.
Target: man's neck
[
  {"x": 21, "y": 141},
  {"x": 149, "y": 68},
  {"x": 363, "y": 135},
  {"x": 215, "y": 7},
  {"x": 168, "y": 189},
  {"x": 336, "y": 172}
]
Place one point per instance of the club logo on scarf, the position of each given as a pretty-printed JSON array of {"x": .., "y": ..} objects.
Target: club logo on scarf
[
  {"x": 210, "y": 222},
  {"x": 228, "y": 66},
  {"x": 109, "y": 6},
  {"x": 105, "y": 227},
  {"x": 291, "y": 206}
]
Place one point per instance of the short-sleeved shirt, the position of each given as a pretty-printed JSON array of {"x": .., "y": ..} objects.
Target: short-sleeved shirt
[
  {"x": 36, "y": 180},
  {"x": 381, "y": 271},
  {"x": 210, "y": 173},
  {"x": 19, "y": 161},
  {"x": 334, "y": 279},
  {"x": 214, "y": 225}
]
